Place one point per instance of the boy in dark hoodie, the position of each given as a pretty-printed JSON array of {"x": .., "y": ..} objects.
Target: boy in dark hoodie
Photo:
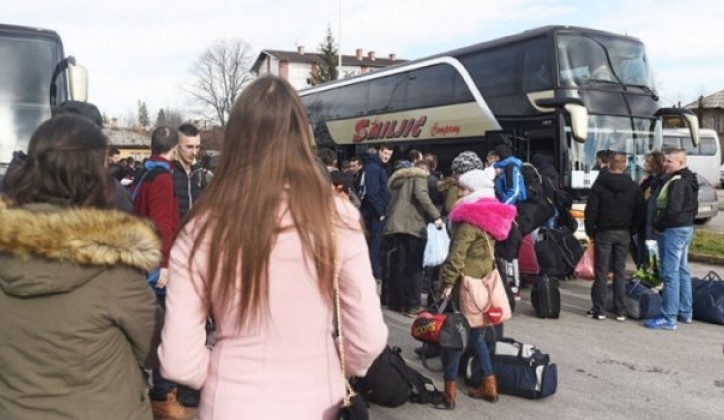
[{"x": 613, "y": 211}]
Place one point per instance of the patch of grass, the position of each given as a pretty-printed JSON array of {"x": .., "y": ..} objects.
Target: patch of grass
[{"x": 707, "y": 243}]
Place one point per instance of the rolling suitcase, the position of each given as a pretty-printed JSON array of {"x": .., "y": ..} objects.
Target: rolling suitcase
[
  {"x": 527, "y": 260},
  {"x": 545, "y": 297}
]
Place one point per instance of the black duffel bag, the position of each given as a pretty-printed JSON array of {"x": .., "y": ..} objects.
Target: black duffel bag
[
  {"x": 708, "y": 298},
  {"x": 390, "y": 382},
  {"x": 558, "y": 252}
]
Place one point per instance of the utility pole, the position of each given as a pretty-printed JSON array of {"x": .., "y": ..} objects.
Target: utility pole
[{"x": 339, "y": 39}]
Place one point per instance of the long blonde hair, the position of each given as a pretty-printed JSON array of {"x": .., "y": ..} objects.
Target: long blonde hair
[{"x": 266, "y": 161}]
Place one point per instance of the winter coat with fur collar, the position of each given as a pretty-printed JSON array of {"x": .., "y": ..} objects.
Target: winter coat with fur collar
[
  {"x": 78, "y": 320},
  {"x": 410, "y": 206},
  {"x": 477, "y": 225}
]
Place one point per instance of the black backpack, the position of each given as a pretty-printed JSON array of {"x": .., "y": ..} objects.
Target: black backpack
[
  {"x": 536, "y": 209},
  {"x": 390, "y": 382}
]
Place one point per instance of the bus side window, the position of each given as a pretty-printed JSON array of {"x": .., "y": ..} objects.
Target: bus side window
[{"x": 707, "y": 146}]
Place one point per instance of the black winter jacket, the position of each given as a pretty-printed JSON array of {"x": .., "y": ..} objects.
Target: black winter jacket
[
  {"x": 615, "y": 203},
  {"x": 677, "y": 203},
  {"x": 187, "y": 187}
]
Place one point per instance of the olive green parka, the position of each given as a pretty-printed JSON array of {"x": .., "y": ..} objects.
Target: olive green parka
[
  {"x": 78, "y": 321},
  {"x": 411, "y": 208}
]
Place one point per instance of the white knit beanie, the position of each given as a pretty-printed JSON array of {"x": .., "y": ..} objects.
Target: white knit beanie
[{"x": 478, "y": 181}]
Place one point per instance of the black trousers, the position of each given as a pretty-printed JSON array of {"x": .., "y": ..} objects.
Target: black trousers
[
  {"x": 611, "y": 248},
  {"x": 406, "y": 286}
]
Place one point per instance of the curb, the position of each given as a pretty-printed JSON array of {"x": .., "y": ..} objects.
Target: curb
[{"x": 707, "y": 259}]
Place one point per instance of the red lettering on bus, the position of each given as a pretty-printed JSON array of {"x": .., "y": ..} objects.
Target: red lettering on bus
[
  {"x": 366, "y": 129},
  {"x": 360, "y": 130},
  {"x": 444, "y": 129},
  {"x": 374, "y": 132},
  {"x": 417, "y": 128},
  {"x": 401, "y": 129}
]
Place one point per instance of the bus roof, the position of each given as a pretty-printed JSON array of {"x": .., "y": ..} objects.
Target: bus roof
[
  {"x": 27, "y": 31},
  {"x": 510, "y": 39}
]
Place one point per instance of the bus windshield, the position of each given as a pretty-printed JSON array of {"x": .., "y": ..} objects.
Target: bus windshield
[
  {"x": 634, "y": 136},
  {"x": 583, "y": 59},
  {"x": 25, "y": 75}
]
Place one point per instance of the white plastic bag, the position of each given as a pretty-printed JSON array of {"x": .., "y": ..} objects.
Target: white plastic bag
[{"x": 437, "y": 247}]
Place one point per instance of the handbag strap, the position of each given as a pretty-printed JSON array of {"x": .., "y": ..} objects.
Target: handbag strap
[
  {"x": 348, "y": 391},
  {"x": 491, "y": 249},
  {"x": 492, "y": 257}
]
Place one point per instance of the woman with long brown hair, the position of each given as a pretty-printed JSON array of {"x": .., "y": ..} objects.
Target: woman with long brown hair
[{"x": 259, "y": 251}]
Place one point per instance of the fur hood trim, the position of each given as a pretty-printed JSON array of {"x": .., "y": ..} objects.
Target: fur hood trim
[
  {"x": 401, "y": 175},
  {"x": 84, "y": 236},
  {"x": 486, "y": 214}
]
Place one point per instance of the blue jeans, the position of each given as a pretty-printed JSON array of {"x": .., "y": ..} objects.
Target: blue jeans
[
  {"x": 673, "y": 251},
  {"x": 451, "y": 358}
]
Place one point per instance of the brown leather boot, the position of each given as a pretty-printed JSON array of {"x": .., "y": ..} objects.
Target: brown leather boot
[
  {"x": 172, "y": 408},
  {"x": 488, "y": 390},
  {"x": 448, "y": 397}
]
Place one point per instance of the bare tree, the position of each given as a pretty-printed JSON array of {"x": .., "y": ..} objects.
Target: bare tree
[{"x": 221, "y": 73}]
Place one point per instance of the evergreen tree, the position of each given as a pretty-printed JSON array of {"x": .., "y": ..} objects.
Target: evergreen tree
[
  {"x": 326, "y": 69},
  {"x": 160, "y": 118},
  {"x": 143, "y": 120}
]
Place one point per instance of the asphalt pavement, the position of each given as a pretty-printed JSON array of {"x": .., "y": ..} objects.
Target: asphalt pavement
[{"x": 606, "y": 369}]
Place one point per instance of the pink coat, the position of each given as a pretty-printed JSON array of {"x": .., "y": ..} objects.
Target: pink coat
[{"x": 287, "y": 367}]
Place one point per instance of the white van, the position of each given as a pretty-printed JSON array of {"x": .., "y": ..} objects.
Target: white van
[{"x": 703, "y": 159}]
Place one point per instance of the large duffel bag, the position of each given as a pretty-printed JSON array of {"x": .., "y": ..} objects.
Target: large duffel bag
[
  {"x": 390, "y": 382},
  {"x": 523, "y": 370},
  {"x": 708, "y": 298},
  {"x": 558, "y": 252},
  {"x": 641, "y": 301},
  {"x": 545, "y": 297}
]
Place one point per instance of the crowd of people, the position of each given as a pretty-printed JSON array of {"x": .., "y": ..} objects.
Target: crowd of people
[{"x": 116, "y": 276}]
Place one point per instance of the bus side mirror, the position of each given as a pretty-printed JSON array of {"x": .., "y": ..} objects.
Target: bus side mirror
[
  {"x": 576, "y": 109},
  {"x": 678, "y": 117},
  {"x": 579, "y": 121},
  {"x": 78, "y": 80},
  {"x": 693, "y": 124}
]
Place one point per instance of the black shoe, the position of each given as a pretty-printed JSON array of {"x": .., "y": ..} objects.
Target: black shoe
[{"x": 595, "y": 315}]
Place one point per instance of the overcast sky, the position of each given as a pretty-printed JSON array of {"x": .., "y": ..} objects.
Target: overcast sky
[{"x": 142, "y": 49}]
